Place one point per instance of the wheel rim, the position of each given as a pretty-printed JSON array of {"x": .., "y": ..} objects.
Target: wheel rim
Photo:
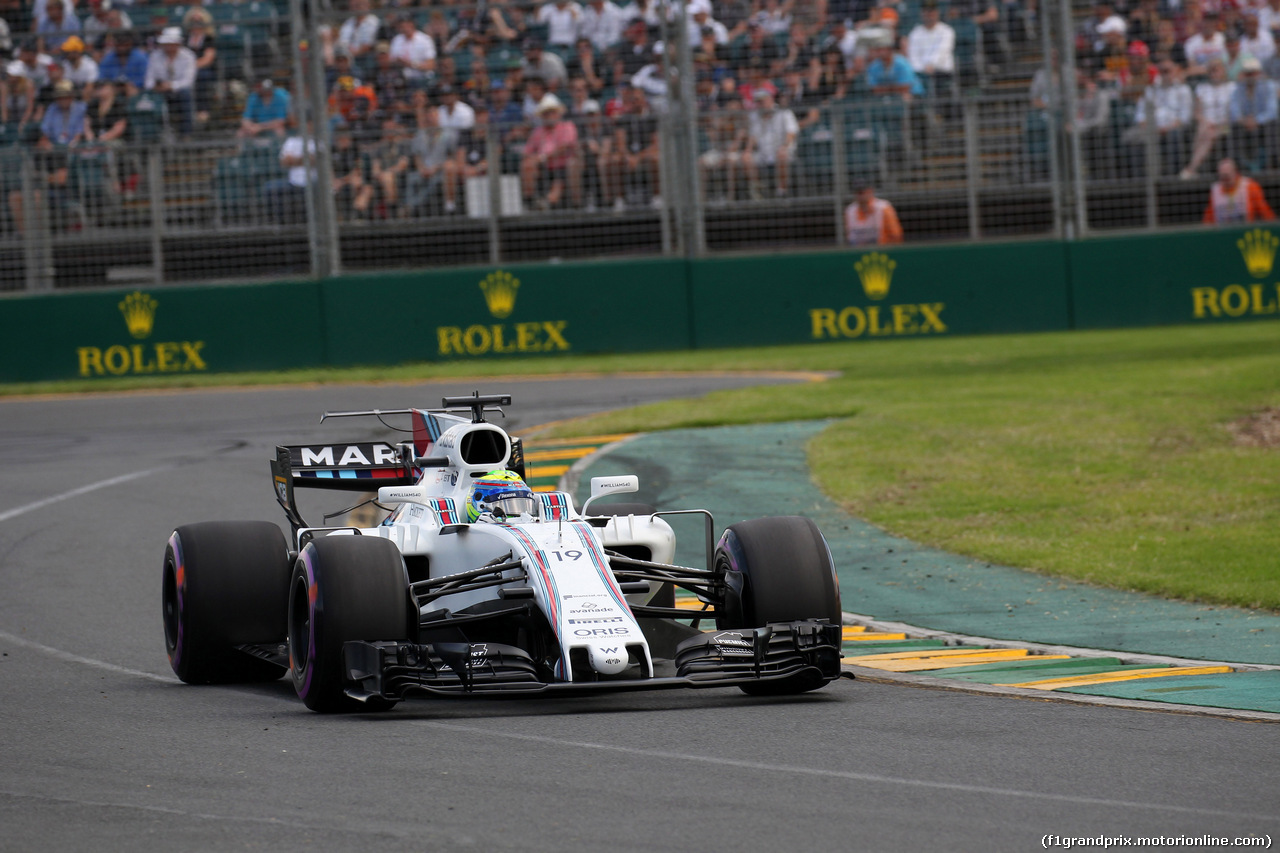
[
  {"x": 172, "y": 608},
  {"x": 299, "y": 626}
]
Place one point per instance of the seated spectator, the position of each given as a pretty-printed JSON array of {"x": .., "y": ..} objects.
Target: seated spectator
[
  {"x": 652, "y": 80},
  {"x": 757, "y": 48},
  {"x": 33, "y": 63},
  {"x": 285, "y": 198},
  {"x": 544, "y": 64},
  {"x": 889, "y": 74},
  {"x": 871, "y": 221},
  {"x": 431, "y": 148},
  {"x": 1144, "y": 20},
  {"x": 389, "y": 82},
  {"x": 1167, "y": 43},
  {"x": 636, "y": 147},
  {"x": 353, "y": 104},
  {"x": 470, "y": 159},
  {"x": 65, "y": 122},
  {"x": 199, "y": 25},
  {"x": 105, "y": 16},
  {"x": 1138, "y": 74},
  {"x": 702, "y": 26},
  {"x": 1253, "y": 116},
  {"x": 454, "y": 113},
  {"x": 352, "y": 193},
  {"x": 1168, "y": 105},
  {"x": 582, "y": 66},
  {"x": 1213, "y": 115},
  {"x": 985, "y": 15},
  {"x": 1208, "y": 44},
  {"x": 79, "y": 69},
  {"x": 632, "y": 53},
  {"x": 18, "y": 103},
  {"x": 828, "y": 81},
  {"x": 1256, "y": 41},
  {"x": 46, "y": 94},
  {"x": 593, "y": 173},
  {"x": 359, "y": 34},
  {"x": 721, "y": 160},
  {"x": 124, "y": 62},
  {"x": 544, "y": 169},
  {"x": 771, "y": 143},
  {"x": 1091, "y": 124},
  {"x": 266, "y": 112},
  {"x": 601, "y": 23},
  {"x": 561, "y": 18},
  {"x": 171, "y": 71},
  {"x": 1235, "y": 198},
  {"x": 931, "y": 50},
  {"x": 413, "y": 51},
  {"x": 1269, "y": 16},
  {"x": 108, "y": 113},
  {"x": 58, "y": 24},
  {"x": 389, "y": 169},
  {"x": 1111, "y": 62}
]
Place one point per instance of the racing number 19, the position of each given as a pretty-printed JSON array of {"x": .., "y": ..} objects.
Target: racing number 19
[{"x": 566, "y": 556}]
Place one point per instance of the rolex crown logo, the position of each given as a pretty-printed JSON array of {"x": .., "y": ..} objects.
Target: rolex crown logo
[
  {"x": 500, "y": 293},
  {"x": 1259, "y": 250},
  {"x": 139, "y": 312},
  {"x": 876, "y": 271}
]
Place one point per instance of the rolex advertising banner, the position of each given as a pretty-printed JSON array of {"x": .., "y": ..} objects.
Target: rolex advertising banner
[
  {"x": 159, "y": 331},
  {"x": 880, "y": 293},
  {"x": 522, "y": 310},
  {"x": 1220, "y": 275}
]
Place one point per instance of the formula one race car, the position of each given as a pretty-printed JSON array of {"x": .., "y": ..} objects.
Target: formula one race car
[{"x": 475, "y": 584}]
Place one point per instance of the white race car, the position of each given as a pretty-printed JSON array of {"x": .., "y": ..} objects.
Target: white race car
[{"x": 475, "y": 584}]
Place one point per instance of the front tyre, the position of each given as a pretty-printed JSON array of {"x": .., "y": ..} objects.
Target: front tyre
[
  {"x": 343, "y": 588},
  {"x": 224, "y": 585},
  {"x": 777, "y": 570}
]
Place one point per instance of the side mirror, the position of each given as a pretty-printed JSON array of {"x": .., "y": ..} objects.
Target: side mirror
[{"x": 601, "y": 486}]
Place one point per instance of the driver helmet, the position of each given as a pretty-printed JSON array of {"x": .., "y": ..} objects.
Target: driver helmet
[{"x": 500, "y": 493}]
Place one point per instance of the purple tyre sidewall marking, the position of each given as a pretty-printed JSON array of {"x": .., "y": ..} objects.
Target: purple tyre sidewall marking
[
  {"x": 180, "y": 583},
  {"x": 312, "y": 597}
]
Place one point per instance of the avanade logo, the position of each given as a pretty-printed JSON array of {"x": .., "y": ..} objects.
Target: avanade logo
[
  {"x": 500, "y": 289},
  {"x": 875, "y": 272},
  {"x": 1258, "y": 299},
  {"x": 139, "y": 312}
]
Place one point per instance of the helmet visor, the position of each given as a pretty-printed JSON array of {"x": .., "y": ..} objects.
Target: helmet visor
[{"x": 513, "y": 505}]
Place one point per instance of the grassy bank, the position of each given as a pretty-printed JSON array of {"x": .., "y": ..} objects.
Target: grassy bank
[{"x": 1098, "y": 456}]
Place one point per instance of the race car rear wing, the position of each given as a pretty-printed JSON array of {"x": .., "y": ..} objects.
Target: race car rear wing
[{"x": 356, "y": 467}]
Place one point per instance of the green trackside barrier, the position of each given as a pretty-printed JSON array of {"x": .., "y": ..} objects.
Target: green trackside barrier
[
  {"x": 524, "y": 309},
  {"x": 887, "y": 292},
  {"x": 170, "y": 330},
  {"x": 1190, "y": 277}
]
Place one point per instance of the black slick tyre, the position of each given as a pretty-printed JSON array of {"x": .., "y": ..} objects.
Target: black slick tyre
[
  {"x": 777, "y": 570},
  {"x": 343, "y": 588},
  {"x": 225, "y": 584}
]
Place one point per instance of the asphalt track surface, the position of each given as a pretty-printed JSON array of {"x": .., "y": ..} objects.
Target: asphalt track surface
[{"x": 101, "y": 748}]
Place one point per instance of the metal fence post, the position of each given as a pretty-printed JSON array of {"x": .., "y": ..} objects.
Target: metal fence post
[
  {"x": 839, "y": 170},
  {"x": 155, "y": 193},
  {"x": 37, "y": 252},
  {"x": 493, "y": 175},
  {"x": 972, "y": 166},
  {"x": 1151, "y": 152}
]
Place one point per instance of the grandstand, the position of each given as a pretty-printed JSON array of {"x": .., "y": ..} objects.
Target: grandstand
[{"x": 424, "y": 115}]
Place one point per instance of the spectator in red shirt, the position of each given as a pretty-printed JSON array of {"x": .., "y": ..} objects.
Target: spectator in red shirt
[
  {"x": 1235, "y": 198},
  {"x": 547, "y": 153}
]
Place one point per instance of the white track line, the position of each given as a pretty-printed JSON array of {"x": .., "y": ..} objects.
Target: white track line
[
  {"x": 82, "y": 490},
  {"x": 97, "y": 664},
  {"x": 847, "y": 774}
]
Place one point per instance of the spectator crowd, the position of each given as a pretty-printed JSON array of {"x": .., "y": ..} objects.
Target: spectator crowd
[{"x": 564, "y": 98}]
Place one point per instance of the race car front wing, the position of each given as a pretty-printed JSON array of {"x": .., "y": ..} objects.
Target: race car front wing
[{"x": 394, "y": 670}]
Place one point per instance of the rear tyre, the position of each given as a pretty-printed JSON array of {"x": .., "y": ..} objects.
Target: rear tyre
[
  {"x": 225, "y": 584},
  {"x": 777, "y": 570},
  {"x": 343, "y": 588}
]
